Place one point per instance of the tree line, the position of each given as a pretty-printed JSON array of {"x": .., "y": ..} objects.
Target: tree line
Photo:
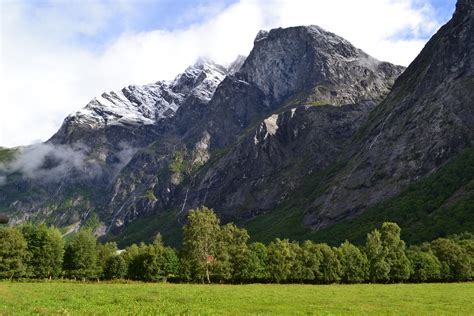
[{"x": 217, "y": 253}]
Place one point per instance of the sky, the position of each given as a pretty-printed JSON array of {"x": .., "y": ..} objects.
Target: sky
[{"x": 57, "y": 55}]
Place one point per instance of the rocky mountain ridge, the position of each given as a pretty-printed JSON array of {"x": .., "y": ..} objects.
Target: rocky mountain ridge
[
  {"x": 427, "y": 119},
  {"x": 239, "y": 111}
]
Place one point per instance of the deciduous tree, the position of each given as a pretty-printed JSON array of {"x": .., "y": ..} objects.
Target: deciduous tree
[
  {"x": 395, "y": 252},
  {"x": 46, "y": 251},
  {"x": 330, "y": 267},
  {"x": 231, "y": 253},
  {"x": 80, "y": 257},
  {"x": 354, "y": 263},
  {"x": 200, "y": 238},
  {"x": 424, "y": 265},
  {"x": 280, "y": 260},
  {"x": 115, "y": 268},
  {"x": 13, "y": 254},
  {"x": 379, "y": 269},
  {"x": 455, "y": 263},
  {"x": 254, "y": 266}
]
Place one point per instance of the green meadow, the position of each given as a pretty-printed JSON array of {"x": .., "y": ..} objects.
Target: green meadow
[{"x": 133, "y": 298}]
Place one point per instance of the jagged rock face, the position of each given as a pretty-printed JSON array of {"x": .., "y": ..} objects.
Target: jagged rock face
[
  {"x": 427, "y": 119},
  {"x": 250, "y": 175},
  {"x": 269, "y": 163},
  {"x": 297, "y": 59},
  {"x": 136, "y": 116},
  {"x": 100, "y": 140},
  {"x": 307, "y": 61},
  {"x": 137, "y": 106}
]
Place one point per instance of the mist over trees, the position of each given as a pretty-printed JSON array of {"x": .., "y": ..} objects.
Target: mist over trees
[{"x": 215, "y": 253}]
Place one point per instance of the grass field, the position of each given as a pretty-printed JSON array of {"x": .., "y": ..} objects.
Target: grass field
[{"x": 146, "y": 299}]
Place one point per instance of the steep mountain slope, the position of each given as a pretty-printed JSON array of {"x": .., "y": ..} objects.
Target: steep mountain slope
[
  {"x": 427, "y": 119},
  {"x": 436, "y": 206},
  {"x": 66, "y": 178},
  {"x": 139, "y": 110},
  {"x": 298, "y": 98},
  {"x": 411, "y": 162}
]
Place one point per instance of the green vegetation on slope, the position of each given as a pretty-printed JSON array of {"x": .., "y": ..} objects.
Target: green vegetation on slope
[
  {"x": 319, "y": 103},
  {"x": 149, "y": 299},
  {"x": 7, "y": 154},
  {"x": 145, "y": 228},
  {"x": 439, "y": 205}
]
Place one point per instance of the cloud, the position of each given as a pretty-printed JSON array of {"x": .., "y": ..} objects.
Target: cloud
[
  {"x": 123, "y": 156},
  {"x": 50, "y": 163},
  {"x": 50, "y": 67}
]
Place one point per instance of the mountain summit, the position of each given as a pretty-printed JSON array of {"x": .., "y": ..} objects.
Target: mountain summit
[{"x": 288, "y": 61}]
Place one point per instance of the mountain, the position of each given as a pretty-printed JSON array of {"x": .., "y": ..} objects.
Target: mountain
[
  {"x": 66, "y": 178},
  {"x": 234, "y": 153},
  {"x": 427, "y": 119},
  {"x": 139, "y": 110},
  {"x": 307, "y": 137},
  {"x": 410, "y": 161}
]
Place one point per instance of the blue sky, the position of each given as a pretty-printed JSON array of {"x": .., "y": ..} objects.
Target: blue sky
[
  {"x": 56, "y": 55},
  {"x": 443, "y": 8},
  {"x": 131, "y": 16},
  {"x": 171, "y": 15}
]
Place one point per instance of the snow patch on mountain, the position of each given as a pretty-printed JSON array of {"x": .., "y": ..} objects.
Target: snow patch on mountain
[{"x": 148, "y": 104}]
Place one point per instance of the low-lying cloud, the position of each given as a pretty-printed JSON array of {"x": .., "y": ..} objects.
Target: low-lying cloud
[
  {"x": 52, "y": 163},
  {"x": 124, "y": 155}
]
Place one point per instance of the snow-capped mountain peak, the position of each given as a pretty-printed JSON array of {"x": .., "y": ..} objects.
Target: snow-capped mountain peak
[{"x": 148, "y": 104}]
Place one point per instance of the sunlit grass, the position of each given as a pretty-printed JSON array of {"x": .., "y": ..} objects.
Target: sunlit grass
[{"x": 141, "y": 298}]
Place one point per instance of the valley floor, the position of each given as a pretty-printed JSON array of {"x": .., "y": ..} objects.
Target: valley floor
[{"x": 74, "y": 298}]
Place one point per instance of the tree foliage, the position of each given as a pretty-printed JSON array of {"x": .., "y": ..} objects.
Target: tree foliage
[
  {"x": 200, "y": 240},
  {"x": 213, "y": 252},
  {"x": 379, "y": 268},
  {"x": 330, "y": 267},
  {"x": 354, "y": 263},
  {"x": 425, "y": 267},
  {"x": 80, "y": 257},
  {"x": 280, "y": 260},
  {"x": 455, "y": 261},
  {"x": 46, "y": 251},
  {"x": 13, "y": 254},
  {"x": 115, "y": 268},
  {"x": 254, "y": 264},
  {"x": 399, "y": 265}
]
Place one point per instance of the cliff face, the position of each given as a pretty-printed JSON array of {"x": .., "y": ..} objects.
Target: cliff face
[
  {"x": 270, "y": 161},
  {"x": 290, "y": 109},
  {"x": 288, "y": 61},
  {"x": 427, "y": 119}
]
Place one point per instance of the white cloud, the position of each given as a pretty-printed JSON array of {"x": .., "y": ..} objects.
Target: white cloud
[
  {"x": 45, "y": 74},
  {"x": 49, "y": 163}
]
